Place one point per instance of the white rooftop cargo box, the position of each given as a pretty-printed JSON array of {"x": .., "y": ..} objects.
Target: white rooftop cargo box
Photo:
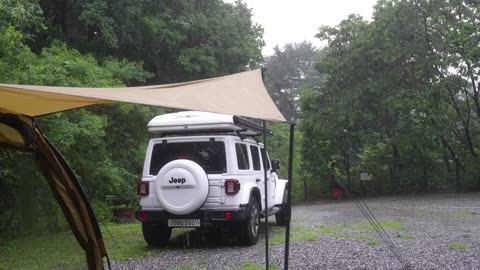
[{"x": 190, "y": 122}]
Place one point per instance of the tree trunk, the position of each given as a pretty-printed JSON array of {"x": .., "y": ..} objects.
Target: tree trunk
[
  {"x": 305, "y": 197},
  {"x": 457, "y": 174},
  {"x": 347, "y": 169},
  {"x": 425, "y": 175}
]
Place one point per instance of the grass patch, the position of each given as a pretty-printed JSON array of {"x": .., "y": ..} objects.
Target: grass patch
[
  {"x": 372, "y": 243},
  {"x": 297, "y": 234},
  {"x": 349, "y": 235},
  {"x": 252, "y": 266},
  {"x": 304, "y": 233},
  {"x": 405, "y": 236},
  {"x": 461, "y": 213},
  {"x": 44, "y": 252},
  {"x": 328, "y": 229},
  {"x": 123, "y": 241},
  {"x": 456, "y": 245},
  {"x": 387, "y": 225},
  {"x": 203, "y": 262}
]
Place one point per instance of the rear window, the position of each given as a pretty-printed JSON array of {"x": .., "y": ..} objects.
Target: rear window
[{"x": 209, "y": 155}]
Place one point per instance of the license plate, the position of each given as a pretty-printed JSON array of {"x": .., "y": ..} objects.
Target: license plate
[{"x": 184, "y": 223}]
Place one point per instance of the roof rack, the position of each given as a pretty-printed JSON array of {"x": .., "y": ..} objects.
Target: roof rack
[{"x": 195, "y": 122}]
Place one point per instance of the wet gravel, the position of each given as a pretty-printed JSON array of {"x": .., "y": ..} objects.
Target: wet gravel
[{"x": 441, "y": 231}]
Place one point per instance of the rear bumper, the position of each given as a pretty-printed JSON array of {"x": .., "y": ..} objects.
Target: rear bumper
[{"x": 207, "y": 218}]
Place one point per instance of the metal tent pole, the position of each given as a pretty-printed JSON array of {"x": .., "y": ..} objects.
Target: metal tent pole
[
  {"x": 289, "y": 195},
  {"x": 265, "y": 162}
]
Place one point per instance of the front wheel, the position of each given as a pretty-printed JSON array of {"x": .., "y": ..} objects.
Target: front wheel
[
  {"x": 250, "y": 229},
  {"x": 156, "y": 234}
]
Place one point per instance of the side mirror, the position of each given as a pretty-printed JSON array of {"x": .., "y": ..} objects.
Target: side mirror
[{"x": 275, "y": 165}]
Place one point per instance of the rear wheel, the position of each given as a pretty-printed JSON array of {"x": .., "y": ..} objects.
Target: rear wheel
[
  {"x": 250, "y": 229},
  {"x": 156, "y": 234},
  {"x": 281, "y": 217}
]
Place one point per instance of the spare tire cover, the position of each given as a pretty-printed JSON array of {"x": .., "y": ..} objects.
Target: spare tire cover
[{"x": 181, "y": 186}]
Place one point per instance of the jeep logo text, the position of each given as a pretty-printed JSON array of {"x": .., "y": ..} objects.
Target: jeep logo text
[{"x": 177, "y": 180}]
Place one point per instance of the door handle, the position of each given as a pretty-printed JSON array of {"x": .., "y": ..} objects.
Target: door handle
[{"x": 258, "y": 180}]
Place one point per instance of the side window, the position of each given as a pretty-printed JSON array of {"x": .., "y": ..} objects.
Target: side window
[
  {"x": 263, "y": 158},
  {"x": 242, "y": 157},
  {"x": 255, "y": 158}
]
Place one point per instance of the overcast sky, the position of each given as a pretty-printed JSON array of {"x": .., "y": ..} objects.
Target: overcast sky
[{"x": 289, "y": 21}]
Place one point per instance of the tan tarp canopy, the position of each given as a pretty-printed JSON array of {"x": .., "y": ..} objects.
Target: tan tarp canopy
[{"x": 241, "y": 94}]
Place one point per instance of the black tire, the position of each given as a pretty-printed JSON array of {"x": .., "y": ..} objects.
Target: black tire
[
  {"x": 156, "y": 234},
  {"x": 250, "y": 229},
  {"x": 281, "y": 217}
]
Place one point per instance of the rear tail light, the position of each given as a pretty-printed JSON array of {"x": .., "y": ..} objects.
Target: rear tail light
[
  {"x": 232, "y": 186},
  {"x": 143, "y": 216},
  {"x": 142, "y": 188}
]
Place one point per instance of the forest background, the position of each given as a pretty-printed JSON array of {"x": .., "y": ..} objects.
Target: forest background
[{"x": 396, "y": 97}]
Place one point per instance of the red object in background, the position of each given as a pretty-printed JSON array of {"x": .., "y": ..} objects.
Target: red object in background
[{"x": 337, "y": 193}]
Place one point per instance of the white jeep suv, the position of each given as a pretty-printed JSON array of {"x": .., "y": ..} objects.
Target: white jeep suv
[{"x": 205, "y": 170}]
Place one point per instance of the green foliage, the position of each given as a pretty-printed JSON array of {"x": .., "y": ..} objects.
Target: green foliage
[
  {"x": 81, "y": 135},
  {"x": 58, "y": 65},
  {"x": 177, "y": 40},
  {"x": 25, "y": 15},
  {"x": 28, "y": 207},
  {"x": 103, "y": 211},
  {"x": 15, "y": 57},
  {"x": 128, "y": 72},
  {"x": 95, "y": 14},
  {"x": 278, "y": 148},
  {"x": 399, "y": 99},
  {"x": 292, "y": 70},
  {"x": 105, "y": 43}
]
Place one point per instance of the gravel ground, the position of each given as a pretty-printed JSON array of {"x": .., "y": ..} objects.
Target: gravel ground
[{"x": 433, "y": 224}]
